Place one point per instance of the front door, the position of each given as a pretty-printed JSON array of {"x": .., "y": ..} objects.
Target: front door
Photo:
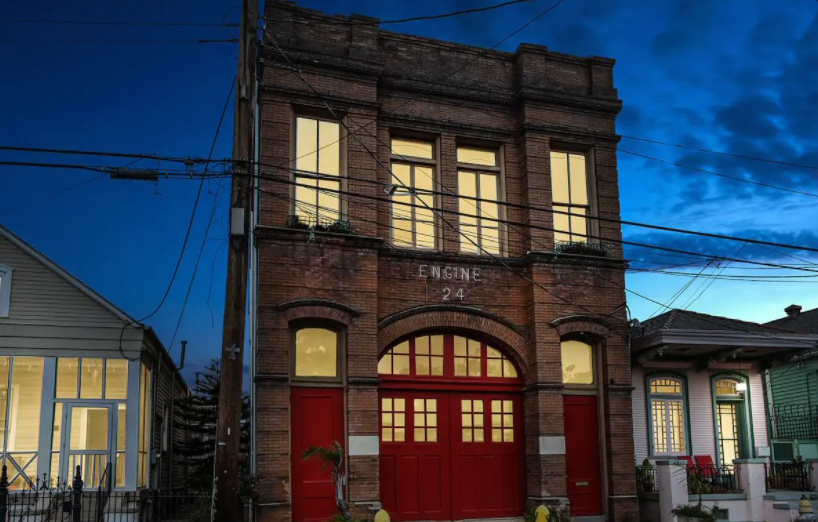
[
  {"x": 87, "y": 441},
  {"x": 317, "y": 420},
  {"x": 582, "y": 456}
]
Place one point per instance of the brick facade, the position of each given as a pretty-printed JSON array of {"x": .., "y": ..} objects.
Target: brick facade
[{"x": 523, "y": 104}]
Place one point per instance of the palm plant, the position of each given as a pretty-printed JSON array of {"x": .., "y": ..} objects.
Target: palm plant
[{"x": 332, "y": 458}]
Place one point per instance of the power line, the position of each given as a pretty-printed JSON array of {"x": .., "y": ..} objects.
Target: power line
[
  {"x": 721, "y": 153},
  {"x": 727, "y": 176},
  {"x": 119, "y": 41},
  {"x": 53, "y": 194},
  {"x": 402, "y": 20},
  {"x": 121, "y": 23},
  {"x": 104, "y": 153}
]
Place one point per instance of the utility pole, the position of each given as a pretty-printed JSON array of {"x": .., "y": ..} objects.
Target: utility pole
[{"x": 228, "y": 432}]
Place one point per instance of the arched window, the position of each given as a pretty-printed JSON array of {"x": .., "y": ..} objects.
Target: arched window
[
  {"x": 577, "y": 362},
  {"x": 666, "y": 405},
  {"x": 445, "y": 355},
  {"x": 316, "y": 353}
]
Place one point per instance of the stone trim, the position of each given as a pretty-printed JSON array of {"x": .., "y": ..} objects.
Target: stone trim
[
  {"x": 582, "y": 323},
  {"x": 318, "y": 309}
]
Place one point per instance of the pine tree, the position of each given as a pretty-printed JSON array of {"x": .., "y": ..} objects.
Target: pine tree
[{"x": 198, "y": 414}]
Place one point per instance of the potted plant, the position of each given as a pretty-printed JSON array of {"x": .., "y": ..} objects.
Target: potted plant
[
  {"x": 645, "y": 476},
  {"x": 696, "y": 513}
]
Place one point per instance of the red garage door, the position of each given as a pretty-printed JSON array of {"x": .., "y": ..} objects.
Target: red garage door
[{"x": 451, "y": 431}]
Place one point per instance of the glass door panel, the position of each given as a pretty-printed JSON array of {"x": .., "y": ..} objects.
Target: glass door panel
[
  {"x": 86, "y": 442},
  {"x": 729, "y": 427}
]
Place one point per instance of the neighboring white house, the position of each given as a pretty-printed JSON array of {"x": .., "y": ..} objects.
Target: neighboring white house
[
  {"x": 699, "y": 396},
  {"x": 81, "y": 383}
]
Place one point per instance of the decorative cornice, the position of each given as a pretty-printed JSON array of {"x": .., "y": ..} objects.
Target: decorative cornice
[
  {"x": 451, "y": 308},
  {"x": 327, "y": 303}
]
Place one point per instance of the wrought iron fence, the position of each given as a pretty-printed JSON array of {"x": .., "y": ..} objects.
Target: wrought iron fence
[
  {"x": 319, "y": 223},
  {"x": 60, "y": 501},
  {"x": 795, "y": 421},
  {"x": 794, "y": 476},
  {"x": 646, "y": 479},
  {"x": 710, "y": 478}
]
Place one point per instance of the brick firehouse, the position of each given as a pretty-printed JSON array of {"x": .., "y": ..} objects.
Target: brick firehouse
[{"x": 431, "y": 285}]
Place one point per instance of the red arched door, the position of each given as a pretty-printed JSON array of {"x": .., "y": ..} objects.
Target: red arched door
[{"x": 451, "y": 430}]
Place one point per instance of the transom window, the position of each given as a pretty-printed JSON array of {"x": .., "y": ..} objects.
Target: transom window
[
  {"x": 318, "y": 166},
  {"x": 413, "y": 170},
  {"x": 446, "y": 356},
  {"x": 569, "y": 191},
  {"x": 502, "y": 421},
  {"x": 667, "y": 415},
  {"x": 316, "y": 353},
  {"x": 478, "y": 176},
  {"x": 577, "y": 362},
  {"x": 727, "y": 387},
  {"x": 86, "y": 378}
]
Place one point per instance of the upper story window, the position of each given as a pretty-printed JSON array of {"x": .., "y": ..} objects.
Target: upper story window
[
  {"x": 5, "y": 290},
  {"x": 318, "y": 166},
  {"x": 478, "y": 176},
  {"x": 569, "y": 191},
  {"x": 666, "y": 406},
  {"x": 413, "y": 170},
  {"x": 446, "y": 356},
  {"x": 577, "y": 362},
  {"x": 316, "y": 353}
]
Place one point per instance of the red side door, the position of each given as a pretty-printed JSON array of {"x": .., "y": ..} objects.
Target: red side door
[
  {"x": 317, "y": 420},
  {"x": 582, "y": 455},
  {"x": 487, "y": 457},
  {"x": 414, "y": 455}
]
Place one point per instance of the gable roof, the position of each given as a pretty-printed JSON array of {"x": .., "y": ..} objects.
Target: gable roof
[
  {"x": 65, "y": 275},
  {"x": 806, "y": 322},
  {"x": 678, "y": 319}
]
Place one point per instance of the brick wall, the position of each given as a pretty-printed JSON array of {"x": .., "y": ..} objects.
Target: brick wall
[{"x": 523, "y": 103}]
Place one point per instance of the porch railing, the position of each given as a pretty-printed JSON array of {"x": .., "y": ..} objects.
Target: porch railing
[
  {"x": 793, "y": 476},
  {"x": 710, "y": 478},
  {"x": 795, "y": 421},
  {"x": 646, "y": 479}
]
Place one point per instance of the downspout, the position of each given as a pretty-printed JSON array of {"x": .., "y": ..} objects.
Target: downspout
[{"x": 253, "y": 282}]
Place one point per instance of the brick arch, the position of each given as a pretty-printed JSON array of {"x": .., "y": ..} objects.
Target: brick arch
[
  {"x": 501, "y": 331},
  {"x": 582, "y": 324},
  {"x": 318, "y": 309}
]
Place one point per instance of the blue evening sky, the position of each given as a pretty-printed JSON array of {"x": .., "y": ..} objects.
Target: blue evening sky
[{"x": 736, "y": 76}]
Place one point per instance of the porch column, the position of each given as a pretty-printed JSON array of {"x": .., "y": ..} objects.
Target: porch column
[
  {"x": 751, "y": 478},
  {"x": 672, "y": 481}
]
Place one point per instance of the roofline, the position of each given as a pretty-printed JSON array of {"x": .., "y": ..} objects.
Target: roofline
[
  {"x": 726, "y": 338},
  {"x": 68, "y": 277}
]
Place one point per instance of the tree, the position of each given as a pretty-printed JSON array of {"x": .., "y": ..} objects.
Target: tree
[{"x": 198, "y": 414}]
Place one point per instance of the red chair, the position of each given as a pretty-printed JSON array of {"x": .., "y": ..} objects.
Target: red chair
[
  {"x": 705, "y": 464},
  {"x": 689, "y": 460}
]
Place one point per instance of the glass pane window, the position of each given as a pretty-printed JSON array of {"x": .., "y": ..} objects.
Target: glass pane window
[
  {"x": 5, "y": 369},
  {"x": 727, "y": 387},
  {"x": 665, "y": 386},
  {"x": 67, "y": 377},
  {"x": 498, "y": 365},
  {"x": 471, "y": 156},
  {"x": 316, "y": 353},
  {"x": 569, "y": 194},
  {"x": 472, "y": 420},
  {"x": 24, "y": 397},
  {"x": 413, "y": 220},
  {"x": 396, "y": 360},
  {"x": 577, "y": 362},
  {"x": 116, "y": 379},
  {"x": 317, "y": 201},
  {"x": 429, "y": 355},
  {"x": 667, "y": 412},
  {"x": 91, "y": 375},
  {"x": 727, "y": 417},
  {"x": 144, "y": 425},
  {"x": 479, "y": 220},
  {"x": 467, "y": 357},
  {"x": 502, "y": 421},
  {"x": 425, "y": 420},
  {"x": 317, "y": 146},
  {"x": 393, "y": 419}
]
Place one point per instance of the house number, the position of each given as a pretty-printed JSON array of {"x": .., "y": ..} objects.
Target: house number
[{"x": 447, "y": 294}]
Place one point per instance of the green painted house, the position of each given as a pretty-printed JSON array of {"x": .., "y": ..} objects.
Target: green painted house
[{"x": 792, "y": 393}]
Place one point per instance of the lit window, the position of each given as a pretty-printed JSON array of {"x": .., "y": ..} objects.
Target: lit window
[
  {"x": 317, "y": 162},
  {"x": 478, "y": 177},
  {"x": 393, "y": 419},
  {"x": 502, "y": 421},
  {"x": 396, "y": 360},
  {"x": 569, "y": 193},
  {"x": 577, "y": 362},
  {"x": 498, "y": 365},
  {"x": 429, "y": 355},
  {"x": 67, "y": 377},
  {"x": 667, "y": 413},
  {"x": 413, "y": 223},
  {"x": 471, "y": 420},
  {"x": 467, "y": 357},
  {"x": 5, "y": 290},
  {"x": 91, "y": 378},
  {"x": 425, "y": 420},
  {"x": 116, "y": 379},
  {"x": 121, "y": 431},
  {"x": 727, "y": 387},
  {"x": 21, "y": 389},
  {"x": 316, "y": 353}
]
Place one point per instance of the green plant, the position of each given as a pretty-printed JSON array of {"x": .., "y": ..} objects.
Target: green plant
[
  {"x": 698, "y": 511},
  {"x": 293, "y": 221},
  {"x": 341, "y": 227},
  {"x": 332, "y": 458}
]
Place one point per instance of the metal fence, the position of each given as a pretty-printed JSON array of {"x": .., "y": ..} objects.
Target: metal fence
[
  {"x": 795, "y": 421},
  {"x": 61, "y": 501},
  {"x": 710, "y": 478},
  {"x": 646, "y": 479},
  {"x": 794, "y": 476}
]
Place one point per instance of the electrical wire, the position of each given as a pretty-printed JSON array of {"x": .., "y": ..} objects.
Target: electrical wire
[{"x": 121, "y": 22}]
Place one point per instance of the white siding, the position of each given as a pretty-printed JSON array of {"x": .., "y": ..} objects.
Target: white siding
[
  {"x": 700, "y": 405},
  {"x": 640, "y": 423},
  {"x": 757, "y": 409}
]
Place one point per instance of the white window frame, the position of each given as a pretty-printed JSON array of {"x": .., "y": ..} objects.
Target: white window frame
[
  {"x": 569, "y": 206},
  {"x": 6, "y": 274},
  {"x": 476, "y": 206}
]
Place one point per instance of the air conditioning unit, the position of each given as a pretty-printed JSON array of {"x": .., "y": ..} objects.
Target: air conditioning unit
[{"x": 783, "y": 451}]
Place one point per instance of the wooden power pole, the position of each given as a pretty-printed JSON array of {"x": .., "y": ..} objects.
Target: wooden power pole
[{"x": 228, "y": 431}]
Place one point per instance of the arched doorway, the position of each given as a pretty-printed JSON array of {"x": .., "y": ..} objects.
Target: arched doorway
[{"x": 451, "y": 430}]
